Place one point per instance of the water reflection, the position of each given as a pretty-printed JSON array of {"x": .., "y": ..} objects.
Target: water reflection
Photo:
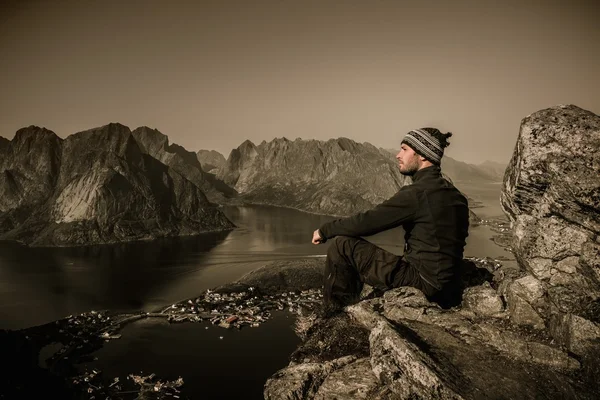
[
  {"x": 267, "y": 228},
  {"x": 38, "y": 285}
]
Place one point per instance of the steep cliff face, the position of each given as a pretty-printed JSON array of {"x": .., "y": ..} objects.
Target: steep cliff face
[
  {"x": 29, "y": 166},
  {"x": 156, "y": 144},
  {"x": 211, "y": 159},
  {"x": 336, "y": 177},
  {"x": 4, "y": 142},
  {"x": 551, "y": 193},
  {"x": 98, "y": 186}
]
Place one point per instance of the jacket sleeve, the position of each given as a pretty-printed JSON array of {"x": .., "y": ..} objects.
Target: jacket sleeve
[{"x": 389, "y": 214}]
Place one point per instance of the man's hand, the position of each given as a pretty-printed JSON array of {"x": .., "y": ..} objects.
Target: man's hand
[{"x": 317, "y": 239}]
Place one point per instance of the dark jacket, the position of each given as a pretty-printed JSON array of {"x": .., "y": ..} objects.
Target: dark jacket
[{"x": 435, "y": 217}]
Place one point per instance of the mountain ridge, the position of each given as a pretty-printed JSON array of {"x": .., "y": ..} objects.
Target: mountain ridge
[
  {"x": 323, "y": 177},
  {"x": 95, "y": 186}
]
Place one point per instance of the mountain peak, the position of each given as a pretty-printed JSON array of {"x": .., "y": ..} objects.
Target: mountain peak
[
  {"x": 33, "y": 131},
  {"x": 111, "y": 129},
  {"x": 247, "y": 143},
  {"x": 150, "y": 140},
  {"x": 114, "y": 127}
]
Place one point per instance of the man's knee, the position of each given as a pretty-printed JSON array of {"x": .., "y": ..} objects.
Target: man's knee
[{"x": 341, "y": 245}]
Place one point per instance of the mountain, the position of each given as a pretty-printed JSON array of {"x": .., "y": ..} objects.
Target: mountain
[
  {"x": 3, "y": 145},
  {"x": 494, "y": 168},
  {"x": 156, "y": 144},
  {"x": 29, "y": 169},
  {"x": 458, "y": 171},
  {"x": 335, "y": 177},
  {"x": 211, "y": 159},
  {"x": 95, "y": 186}
]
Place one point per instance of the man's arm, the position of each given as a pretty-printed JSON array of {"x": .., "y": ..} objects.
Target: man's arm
[{"x": 389, "y": 214}]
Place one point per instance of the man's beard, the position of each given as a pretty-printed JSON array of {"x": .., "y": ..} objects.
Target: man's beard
[{"x": 410, "y": 169}]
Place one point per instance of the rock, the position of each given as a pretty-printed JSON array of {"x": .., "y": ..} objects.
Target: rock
[
  {"x": 332, "y": 338},
  {"x": 463, "y": 323},
  {"x": 353, "y": 381},
  {"x": 528, "y": 288},
  {"x": 522, "y": 313},
  {"x": 578, "y": 334},
  {"x": 400, "y": 364},
  {"x": 422, "y": 354},
  {"x": 405, "y": 303},
  {"x": 551, "y": 193},
  {"x": 525, "y": 296},
  {"x": 483, "y": 300},
  {"x": 301, "y": 381},
  {"x": 301, "y": 274}
]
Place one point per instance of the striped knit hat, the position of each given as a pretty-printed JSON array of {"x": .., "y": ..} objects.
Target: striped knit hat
[{"x": 425, "y": 144}]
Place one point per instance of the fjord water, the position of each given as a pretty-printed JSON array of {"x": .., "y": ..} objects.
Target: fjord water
[{"x": 39, "y": 285}]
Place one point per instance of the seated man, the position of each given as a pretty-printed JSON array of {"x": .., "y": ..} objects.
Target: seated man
[{"x": 434, "y": 215}]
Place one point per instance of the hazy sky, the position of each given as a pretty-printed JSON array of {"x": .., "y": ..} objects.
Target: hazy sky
[{"x": 212, "y": 74}]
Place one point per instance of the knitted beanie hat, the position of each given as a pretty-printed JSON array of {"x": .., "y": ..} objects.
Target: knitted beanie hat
[{"x": 428, "y": 143}]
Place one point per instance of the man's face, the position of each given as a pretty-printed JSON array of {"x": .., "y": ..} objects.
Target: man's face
[{"x": 409, "y": 162}]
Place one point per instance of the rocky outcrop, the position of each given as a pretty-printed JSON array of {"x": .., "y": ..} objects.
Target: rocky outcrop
[
  {"x": 337, "y": 177},
  {"x": 402, "y": 345},
  {"x": 156, "y": 144},
  {"x": 551, "y": 193},
  {"x": 211, "y": 159},
  {"x": 95, "y": 186}
]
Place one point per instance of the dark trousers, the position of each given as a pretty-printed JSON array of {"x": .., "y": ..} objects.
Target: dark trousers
[{"x": 352, "y": 262}]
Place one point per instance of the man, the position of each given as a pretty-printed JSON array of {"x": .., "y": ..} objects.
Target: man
[{"x": 435, "y": 218}]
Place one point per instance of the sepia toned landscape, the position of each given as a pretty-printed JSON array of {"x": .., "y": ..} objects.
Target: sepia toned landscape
[{"x": 164, "y": 166}]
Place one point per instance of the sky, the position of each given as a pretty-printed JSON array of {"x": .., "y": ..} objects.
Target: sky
[{"x": 211, "y": 74}]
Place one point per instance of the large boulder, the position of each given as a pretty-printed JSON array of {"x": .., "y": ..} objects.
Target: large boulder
[{"x": 551, "y": 193}]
